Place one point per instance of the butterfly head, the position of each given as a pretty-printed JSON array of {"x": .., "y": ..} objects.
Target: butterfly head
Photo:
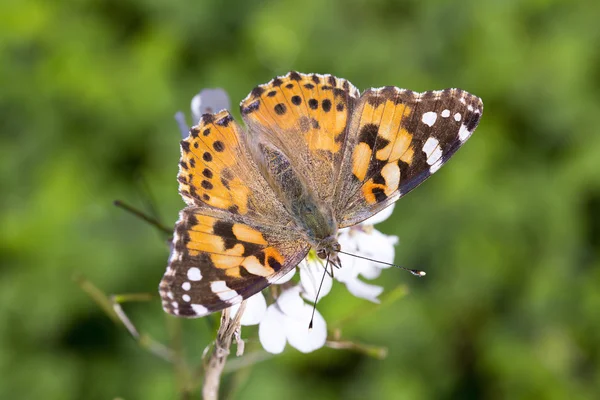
[{"x": 327, "y": 247}]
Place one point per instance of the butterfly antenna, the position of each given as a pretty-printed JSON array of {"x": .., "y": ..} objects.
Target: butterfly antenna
[
  {"x": 415, "y": 272},
  {"x": 145, "y": 217},
  {"x": 310, "y": 325}
]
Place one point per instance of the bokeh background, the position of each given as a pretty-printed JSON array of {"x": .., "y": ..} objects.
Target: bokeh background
[{"x": 509, "y": 231}]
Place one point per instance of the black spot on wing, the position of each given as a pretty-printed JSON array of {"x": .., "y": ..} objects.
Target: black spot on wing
[
  {"x": 251, "y": 249},
  {"x": 280, "y": 109},
  {"x": 206, "y": 185},
  {"x": 295, "y": 76},
  {"x": 224, "y": 230},
  {"x": 257, "y": 91},
  {"x": 207, "y": 118},
  {"x": 225, "y": 120},
  {"x": 273, "y": 263},
  {"x": 219, "y": 146},
  {"x": 379, "y": 194},
  {"x": 473, "y": 122},
  {"x": 234, "y": 209},
  {"x": 368, "y": 134},
  {"x": 185, "y": 146},
  {"x": 250, "y": 108}
]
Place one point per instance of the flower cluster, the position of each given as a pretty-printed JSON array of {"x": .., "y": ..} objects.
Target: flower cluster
[{"x": 287, "y": 319}]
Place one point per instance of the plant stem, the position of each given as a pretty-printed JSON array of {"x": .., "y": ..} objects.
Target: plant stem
[{"x": 214, "y": 366}]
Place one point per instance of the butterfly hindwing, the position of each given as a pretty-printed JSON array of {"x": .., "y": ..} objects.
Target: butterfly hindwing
[
  {"x": 216, "y": 261},
  {"x": 396, "y": 139},
  {"x": 306, "y": 117}
]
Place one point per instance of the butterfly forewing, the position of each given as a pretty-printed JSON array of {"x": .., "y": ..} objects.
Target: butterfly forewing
[
  {"x": 305, "y": 116},
  {"x": 216, "y": 170},
  {"x": 396, "y": 139}
]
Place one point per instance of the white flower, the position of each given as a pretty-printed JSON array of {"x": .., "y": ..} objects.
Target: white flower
[
  {"x": 365, "y": 241},
  {"x": 256, "y": 306},
  {"x": 311, "y": 274},
  {"x": 288, "y": 321}
]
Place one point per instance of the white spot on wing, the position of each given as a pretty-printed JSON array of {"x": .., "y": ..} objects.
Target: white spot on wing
[
  {"x": 430, "y": 145},
  {"x": 429, "y": 118},
  {"x": 437, "y": 165},
  {"x": 457, "y": 117},
  {"x": 194, "y": 274},
  {"x": 445, "y": 113},
  {"x": 186, "y": 298},
  {"x": 199, "y": 309},
  {"x": 432, "y": 150},
  {"x": 221, "y": 289},
  {"x": 186, "y": 286},
  {"x": 463, "y": 133}
]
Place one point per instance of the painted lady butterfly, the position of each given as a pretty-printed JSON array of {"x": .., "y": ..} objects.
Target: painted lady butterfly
[{"x": 316, "y": 156}]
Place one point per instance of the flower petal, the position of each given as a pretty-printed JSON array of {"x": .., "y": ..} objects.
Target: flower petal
[
  {"x": 298, "y": 334},
  {"x": 380, "y": 216},
  {"x": 209, "y": 101},
  {"x": 286, "y": 278},
  {"x": 371, "y": 271},
  {"x": 311, "y": 273},
  {"x": 271, "y": 331},
  {"x": 364, "y": 290},
  {"x": 256, "y": 307},
  {"x": 290, "y": 302}
]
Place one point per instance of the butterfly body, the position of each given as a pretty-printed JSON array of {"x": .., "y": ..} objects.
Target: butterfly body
[
  {"x": 313, "y": 218},
  {"x": 315, "y": 156}
]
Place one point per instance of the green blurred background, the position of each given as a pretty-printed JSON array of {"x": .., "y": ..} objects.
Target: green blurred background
[{"x": 509, "y": 232}]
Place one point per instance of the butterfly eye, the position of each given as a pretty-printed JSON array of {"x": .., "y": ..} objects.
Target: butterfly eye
[
  {"x": 322, "y": 254},
  {"x": 336, "y": 247}
]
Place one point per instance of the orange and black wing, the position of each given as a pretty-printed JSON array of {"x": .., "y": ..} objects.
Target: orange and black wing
[
  {"x": 396, "y": 139},
  {"x": 306, "y": 117},
  {"x": 217, "y": 262}
]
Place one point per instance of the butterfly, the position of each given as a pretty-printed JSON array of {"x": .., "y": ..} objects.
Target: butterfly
[{"x": 315, "y": 156}]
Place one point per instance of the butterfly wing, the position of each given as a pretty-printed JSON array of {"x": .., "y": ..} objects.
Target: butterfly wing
[
  {"x": 306, "y": 117},
  {"x": 235, "y": 237},
  {"x": 396, "y": 139},
  {"x": 217, "y": 262},
  {"x": 216, "y": 170}
]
